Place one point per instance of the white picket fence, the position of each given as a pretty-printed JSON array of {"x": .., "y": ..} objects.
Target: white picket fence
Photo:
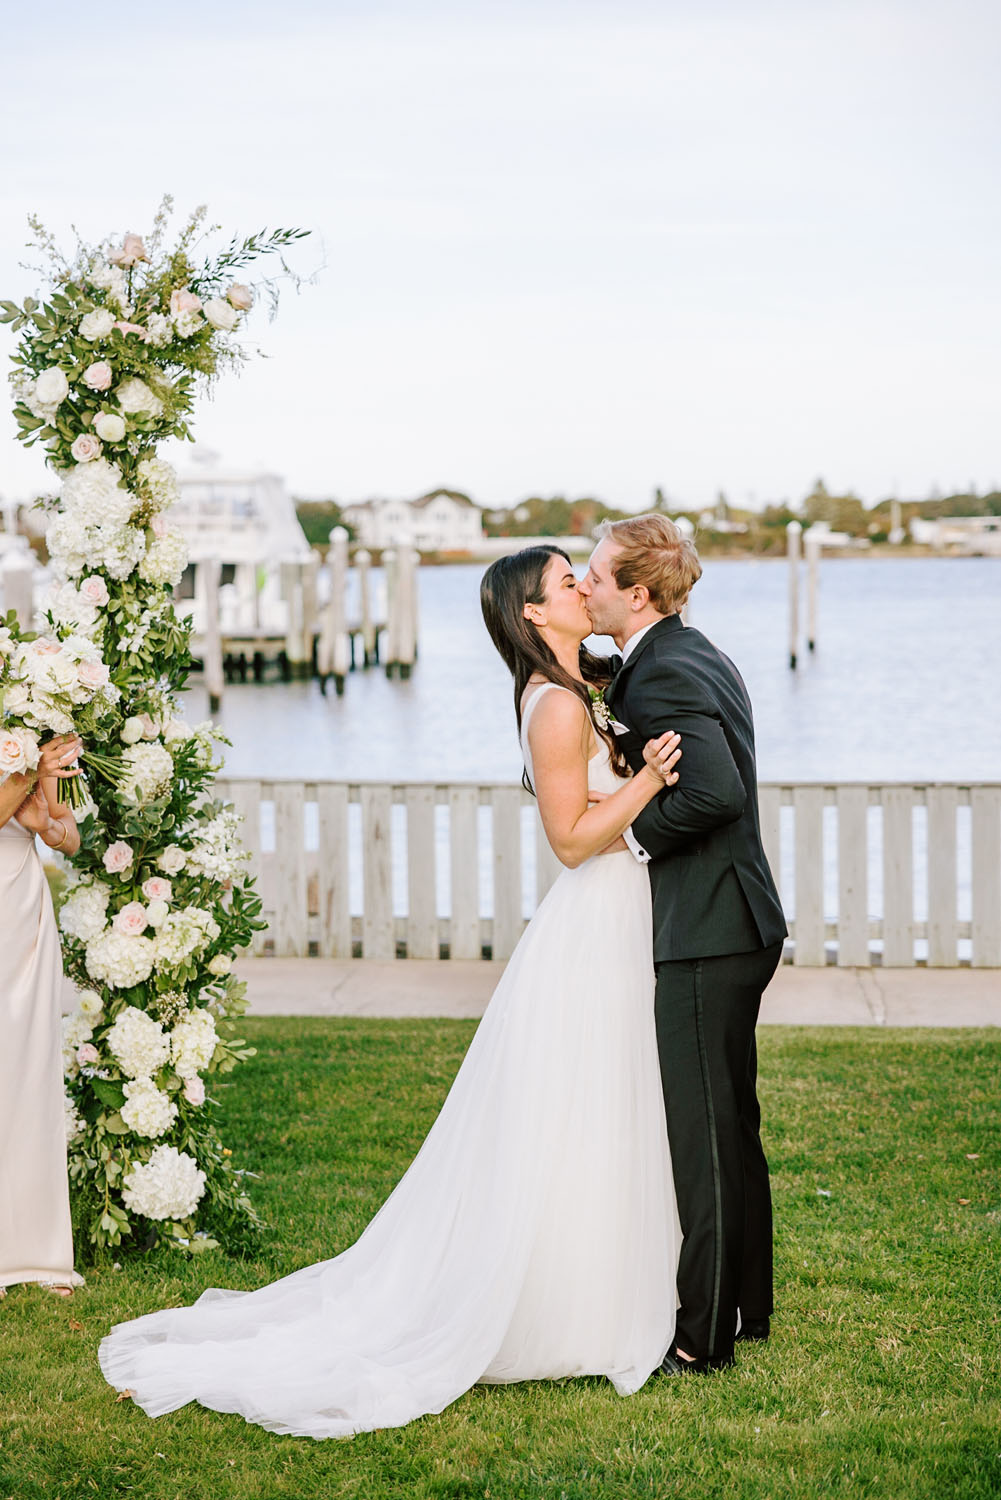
[{"x": 895, "y": 873}]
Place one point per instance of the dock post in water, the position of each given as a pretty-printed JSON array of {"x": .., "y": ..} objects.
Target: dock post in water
[
  {"x": 291, "y": 591},
  {"x": 401, "y": 610},
  {"x": 333, "y": 647},
  {"x": 310, "y": 570},
  {"x": 210, "y": 570},
  {"x": 363, "y": 565},
  {"x": 794, "y": 532},
  {"x": 811, "y": 542}
]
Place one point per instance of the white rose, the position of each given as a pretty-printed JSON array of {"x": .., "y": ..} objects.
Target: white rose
[
  {"x": 132, "y": 730},
  {"x": 109, "y": 426},
  {"x": 51, "y": 387},
  {"x": 134, "y": 395},
  {"x": 18, "y": 751},
  {"x": 172, "y": 860},
  {"x": 220, "y": 965},
  {"x": 156, "y": 912},
  {"x": 221, "y": 315},
  {"x": 90, "y": 1004},
  {"x": 97, "y": 325}
]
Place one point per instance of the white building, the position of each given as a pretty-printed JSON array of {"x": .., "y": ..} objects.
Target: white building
[
  {"x": 976, "y": 535},
  {"x": 237, "y": 516},
  {"x": 436, "y": 523}
]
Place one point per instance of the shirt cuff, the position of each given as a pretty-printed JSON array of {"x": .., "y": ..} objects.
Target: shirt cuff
[{"x": 635, "y": 847}]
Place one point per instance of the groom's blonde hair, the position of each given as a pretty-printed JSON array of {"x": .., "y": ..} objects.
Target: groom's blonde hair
[{"x": 653, "y": 552}]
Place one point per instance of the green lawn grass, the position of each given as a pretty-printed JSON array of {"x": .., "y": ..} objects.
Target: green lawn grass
[{"x": 882, "y": 1377}]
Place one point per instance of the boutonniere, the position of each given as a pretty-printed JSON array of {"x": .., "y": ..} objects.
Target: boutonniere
[{"x": 600, "y": 711}]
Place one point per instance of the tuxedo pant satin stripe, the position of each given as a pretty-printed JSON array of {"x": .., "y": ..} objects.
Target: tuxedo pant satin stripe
[{"x": 706, "y": 1012}]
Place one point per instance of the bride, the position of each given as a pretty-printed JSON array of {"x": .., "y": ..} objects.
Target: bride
[{"x": 535, "y": 1235}]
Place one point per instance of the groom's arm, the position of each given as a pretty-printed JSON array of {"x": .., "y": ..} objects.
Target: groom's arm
[{"x": 709, "y": 793}]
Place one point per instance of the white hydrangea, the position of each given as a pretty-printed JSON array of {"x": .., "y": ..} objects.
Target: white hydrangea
[
  {"x": 166, "y": 559},
  {"x": 68, "y": 606},
  {"x": 83, "y": 913},
  {"x": 119, "y": 961},
  {"x": 76, "y": 548},
  {"x": 137, "y": 1043},
  {"x": 188, "y": 322},
  {"x": 147, "y": 1110},
  {"x": 158, "y": 482},
  {"x": 149, "y": 771},
  {"x": 159, "y": 330},
  {"x": 216, "y": 852},
  {"x": 94, "y": 492},
  {"x": 71, "y": 1119},
  {"x": 184, "y": 934},
  {"x": 192, "y": 1043},
  {"x": 168, "y": 1186},
  {"x": 117, "y": 549},
  {"x": 76, "y": 1030}
]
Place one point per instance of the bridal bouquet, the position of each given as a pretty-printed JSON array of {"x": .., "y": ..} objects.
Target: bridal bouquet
[
  {"x": 106, "y": 367},
  {"x": 53, "y": 686}
]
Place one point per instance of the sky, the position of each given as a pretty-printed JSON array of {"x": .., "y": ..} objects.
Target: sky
[{"x": 577, "y": 249}]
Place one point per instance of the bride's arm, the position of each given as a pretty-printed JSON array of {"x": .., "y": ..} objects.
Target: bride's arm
[{"x": 559, "y": 738}]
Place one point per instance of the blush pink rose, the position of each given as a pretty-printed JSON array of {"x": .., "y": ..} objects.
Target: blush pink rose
[
  {"x": 182, "y": 301},
  {"x": 98, "y": 376},
  {"x": 159, "y": 527},
  {"x": 241, "y": 297},
  {"x": 117, "y": 857},
  {"x": 150, "y": 727},
  {"x": 124, "y": 327},
  {"x": 95, "y": 590},
  {"x": 93, "y": 674},
  {"x": 85, "y": 447},
  {"x": 194, "y": 1092},
  {"x": 157, "y": 889},
  {"x": 87, "y": 1054},
  {"x": 45, "y": 647},
  {"x": 132, "y": 250},
  {"x": 131, "y": 920}
]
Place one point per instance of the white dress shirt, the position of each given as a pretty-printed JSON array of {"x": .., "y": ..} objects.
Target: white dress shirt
[{"x": 632, "y": 843}]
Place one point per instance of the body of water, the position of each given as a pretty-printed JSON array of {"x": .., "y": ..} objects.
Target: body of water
[{"x": 904, "y": 683}]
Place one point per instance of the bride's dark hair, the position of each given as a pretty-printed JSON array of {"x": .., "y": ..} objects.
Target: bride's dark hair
[{"x": 507, "y": 586}]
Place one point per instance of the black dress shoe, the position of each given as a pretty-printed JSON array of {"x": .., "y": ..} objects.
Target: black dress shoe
[
  {"x": 754, "y": 1331},
  {"x": 673, "y": 1364}
]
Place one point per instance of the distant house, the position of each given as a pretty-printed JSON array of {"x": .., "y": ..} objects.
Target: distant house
[
  {"x": 441, "y": 522},
  {"x": 976, "y": 535}
]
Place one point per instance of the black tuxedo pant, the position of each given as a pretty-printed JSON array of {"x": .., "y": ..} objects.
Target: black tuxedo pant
[{"x": 706, "y": 1011}]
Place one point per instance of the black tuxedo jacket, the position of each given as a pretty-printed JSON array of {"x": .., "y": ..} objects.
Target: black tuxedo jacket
[{"x": 713, "y": 892}]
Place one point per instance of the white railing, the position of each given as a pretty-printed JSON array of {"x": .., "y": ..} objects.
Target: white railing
[{"x": 896, "y": 873}]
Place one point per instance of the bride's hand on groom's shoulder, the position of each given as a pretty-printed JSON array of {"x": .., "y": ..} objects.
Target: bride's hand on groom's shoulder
[{"x": 662, "y": 755}]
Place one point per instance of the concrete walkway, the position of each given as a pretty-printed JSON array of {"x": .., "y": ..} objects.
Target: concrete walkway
[{"x": 796, "y": 997}]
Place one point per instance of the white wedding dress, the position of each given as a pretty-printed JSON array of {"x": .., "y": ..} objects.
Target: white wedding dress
[{"x": 534, "y": 1236}]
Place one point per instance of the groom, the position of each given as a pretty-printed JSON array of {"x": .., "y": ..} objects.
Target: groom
[{"x": 718, "y": 926}]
